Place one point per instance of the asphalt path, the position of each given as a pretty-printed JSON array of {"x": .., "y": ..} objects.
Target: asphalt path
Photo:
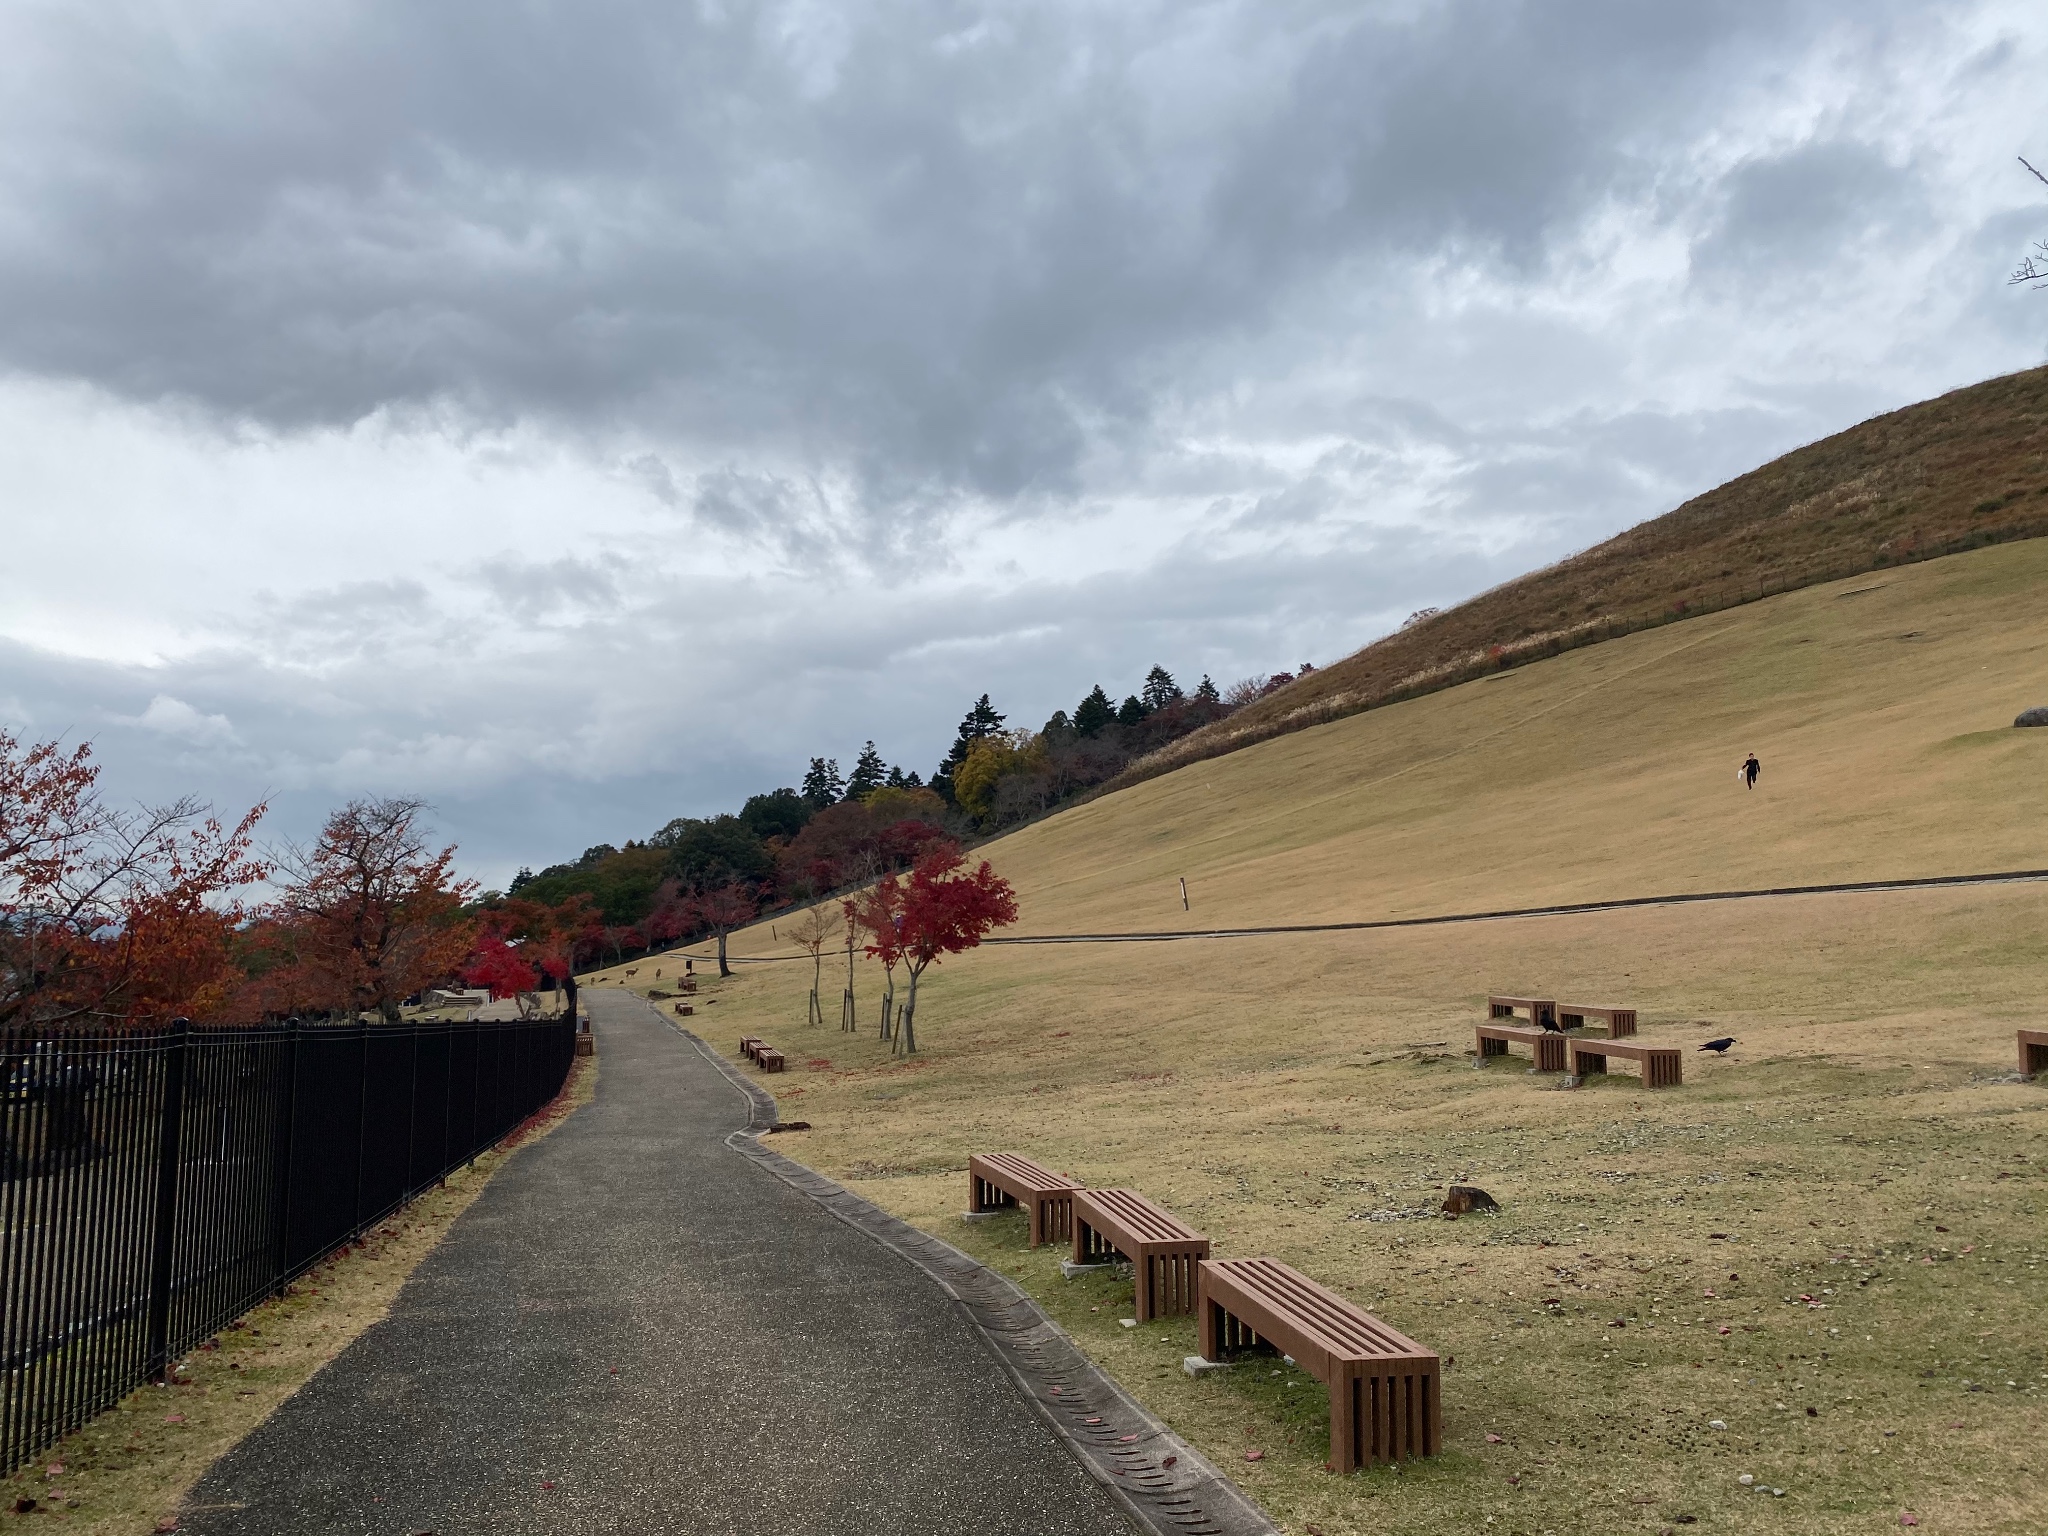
[{"x": 635, "y": 1329}]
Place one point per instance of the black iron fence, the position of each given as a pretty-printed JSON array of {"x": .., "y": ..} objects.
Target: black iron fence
[{"x": 155, "y": 1185}]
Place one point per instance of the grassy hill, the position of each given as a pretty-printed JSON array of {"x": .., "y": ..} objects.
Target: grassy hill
[
  {"x": 1843, "y": 1216},
  {"x": 1958, "y": 472}
]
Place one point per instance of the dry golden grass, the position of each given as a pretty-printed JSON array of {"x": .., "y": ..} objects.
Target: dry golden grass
[
  {"x": 131, "y": 1468},
  {"x": 1280, "y": 1091}
]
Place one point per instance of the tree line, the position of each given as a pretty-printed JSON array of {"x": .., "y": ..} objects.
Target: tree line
[
  {"x": 113, "y": 917},
  {"x": 703, "y": 877}
]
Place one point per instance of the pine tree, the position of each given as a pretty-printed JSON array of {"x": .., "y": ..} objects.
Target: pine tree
[
  {"x": 1207, "y": 693},
  {"x": 1094, "y": 712},
  {"x": 982, "y": 721},
  {"x": 869, "y": 774},
  {"x": 1132, "y": 711},
  {"x": 822, "y": 785},
  {"x": 896, "y": 779},
  {"x": 1160, "y": 690}
]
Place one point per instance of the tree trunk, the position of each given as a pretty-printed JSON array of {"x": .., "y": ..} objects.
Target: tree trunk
[
  {"x": 888, "y": 1001},
  {"x": 569, "y": 992},
  {"x": 906, "y": 1021},
  {"x": 848, "y": 1020},
  {"x": 723, "y": 968}
]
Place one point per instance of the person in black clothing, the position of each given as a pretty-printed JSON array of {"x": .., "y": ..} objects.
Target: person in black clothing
[{"x": 1749, "y": 770}]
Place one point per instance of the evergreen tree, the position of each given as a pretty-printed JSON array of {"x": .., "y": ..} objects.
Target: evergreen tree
[
  {"x": 1160, "y": 690},
  {"x": 896, "y": 779},
  {"x": 778, "y": 813},
  {"x": 522, "y": 879},
  {"x": 1132, "y": 712},
  {"x": 822, "y": 785},
  {"x": 1207, "y": 691},
  {"x": 982, "y": 721},
  {"x": 869, "y": 774},
  {"x": 912, "y": 781},
  {"x": 1094, "y": 712}
]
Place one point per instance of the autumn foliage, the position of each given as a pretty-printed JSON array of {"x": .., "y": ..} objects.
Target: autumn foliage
[
  {"x": 111, "y": 915},
  {"x": 940, "y": 908}
]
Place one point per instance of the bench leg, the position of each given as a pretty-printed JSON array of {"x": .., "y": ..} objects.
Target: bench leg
[
  {"x": 1492, "y": 1047},
  {"x": 1589, "y": 1063},
  {"x": 1624, "y": 1025},
  {"x": 2033, "y": 1058},
  {"x": 1344, "y": 1419},
  {"x": 1209, "y": 1326},
  {"x": 1550, "y": 1054}
]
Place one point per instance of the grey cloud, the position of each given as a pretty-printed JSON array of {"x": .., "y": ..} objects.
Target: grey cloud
[{"x": 941, "y": 248}]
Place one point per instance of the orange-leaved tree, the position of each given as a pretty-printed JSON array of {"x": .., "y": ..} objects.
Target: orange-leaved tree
[
  {"x": 107, "y": 914},
  {"x": 375, "y": 913}
]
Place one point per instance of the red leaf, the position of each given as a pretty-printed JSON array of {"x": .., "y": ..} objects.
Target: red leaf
[{"x": 1254, "y": 1455}]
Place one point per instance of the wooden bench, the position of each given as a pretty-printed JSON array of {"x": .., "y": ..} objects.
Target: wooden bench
[
  {"x": 1384, "y": 1399},
  {"x": 1162, "y": 1248},
  {"x": 1548, "y": 1048},
  {"x": 684, "y": 1010},
  {"x": 1538, "y": 1008},
  {"x": 997, "y": 1179},
  {"x": 750, "y": 1044},
  {"x": 1663, "y": 1066},
  {"x": 1619, "y": 1021},
  {"x": 2033, "y": 1051},
  {"x": 768, "y": 1058}
]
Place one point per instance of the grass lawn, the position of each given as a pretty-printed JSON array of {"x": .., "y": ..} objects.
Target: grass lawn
[{"x": 1841, "y": 1217}]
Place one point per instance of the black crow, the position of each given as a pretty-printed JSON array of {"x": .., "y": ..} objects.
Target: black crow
[
  {"x": 1719, "y": 1047},
  {"x": 1550, "y": 1025}
]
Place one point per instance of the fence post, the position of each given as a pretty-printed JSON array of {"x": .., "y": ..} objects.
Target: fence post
[
  {"x": 163, "y": 1238},
  {"x": 287, "y": 1134}
]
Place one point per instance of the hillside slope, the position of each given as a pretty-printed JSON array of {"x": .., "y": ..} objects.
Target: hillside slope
[
  {"x": 1881, "y": 707},
  {"x": 1963, "y": 470}
]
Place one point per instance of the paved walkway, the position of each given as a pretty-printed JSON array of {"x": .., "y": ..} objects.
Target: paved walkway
[{"x": 777, "y": 1370}]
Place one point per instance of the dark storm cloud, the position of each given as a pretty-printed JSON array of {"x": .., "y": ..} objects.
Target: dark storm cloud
[{"x": 935, "y": 247}]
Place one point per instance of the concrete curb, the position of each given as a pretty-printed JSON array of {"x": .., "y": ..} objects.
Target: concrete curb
[{"x": 1161, "y": 1482}]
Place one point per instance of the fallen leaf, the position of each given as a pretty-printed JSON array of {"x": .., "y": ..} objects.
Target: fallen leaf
[
  {"x": 1169, "y": 1461},
  {"x": 174, "y": 1418},
  {"x": 55, "y": 1469},
  {"x": 1907, "y": 1518},
  {"x": 545, "y": 1486},
  {"x": 166, "y": 1525},
  {"x": 1254, "y": 1455},
  {"x": 1493, "y": 1439}
]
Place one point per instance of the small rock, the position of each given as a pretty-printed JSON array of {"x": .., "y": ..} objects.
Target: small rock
[
  {"x": 2038, "y": 715},
  {"x": 1128, "y": 1322},
  {"x": 1746, "y": 1479},
  {"x": 1717, "y": 1423}
]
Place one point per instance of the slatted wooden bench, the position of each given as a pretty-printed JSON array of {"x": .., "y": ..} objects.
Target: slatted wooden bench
[
  {"x": 1663, "y": 1066},
  {"x": 1538, "y": 1008},
  {"x": 768, "y": 1058},
  {"x": 1548, "y": 1048},
  {"x": 1619, "y": 1021},
  {"x": 750, "y": 1044},
  {"x": 2033, "y": 1051},
  {"x": 997, "y": 1179},
  {"x": 1384, "y": 1399},
  {"x": 1162, "y": 1248}
]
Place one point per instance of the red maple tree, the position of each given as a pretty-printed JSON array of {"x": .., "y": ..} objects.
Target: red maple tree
[{"x": 944, "y": 912}]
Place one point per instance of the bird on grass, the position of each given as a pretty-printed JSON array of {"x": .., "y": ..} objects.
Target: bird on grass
[{"x": 1719, "y": 1047}]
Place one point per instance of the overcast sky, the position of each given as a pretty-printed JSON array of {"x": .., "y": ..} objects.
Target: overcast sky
[{"x": 580, "y": 414}]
